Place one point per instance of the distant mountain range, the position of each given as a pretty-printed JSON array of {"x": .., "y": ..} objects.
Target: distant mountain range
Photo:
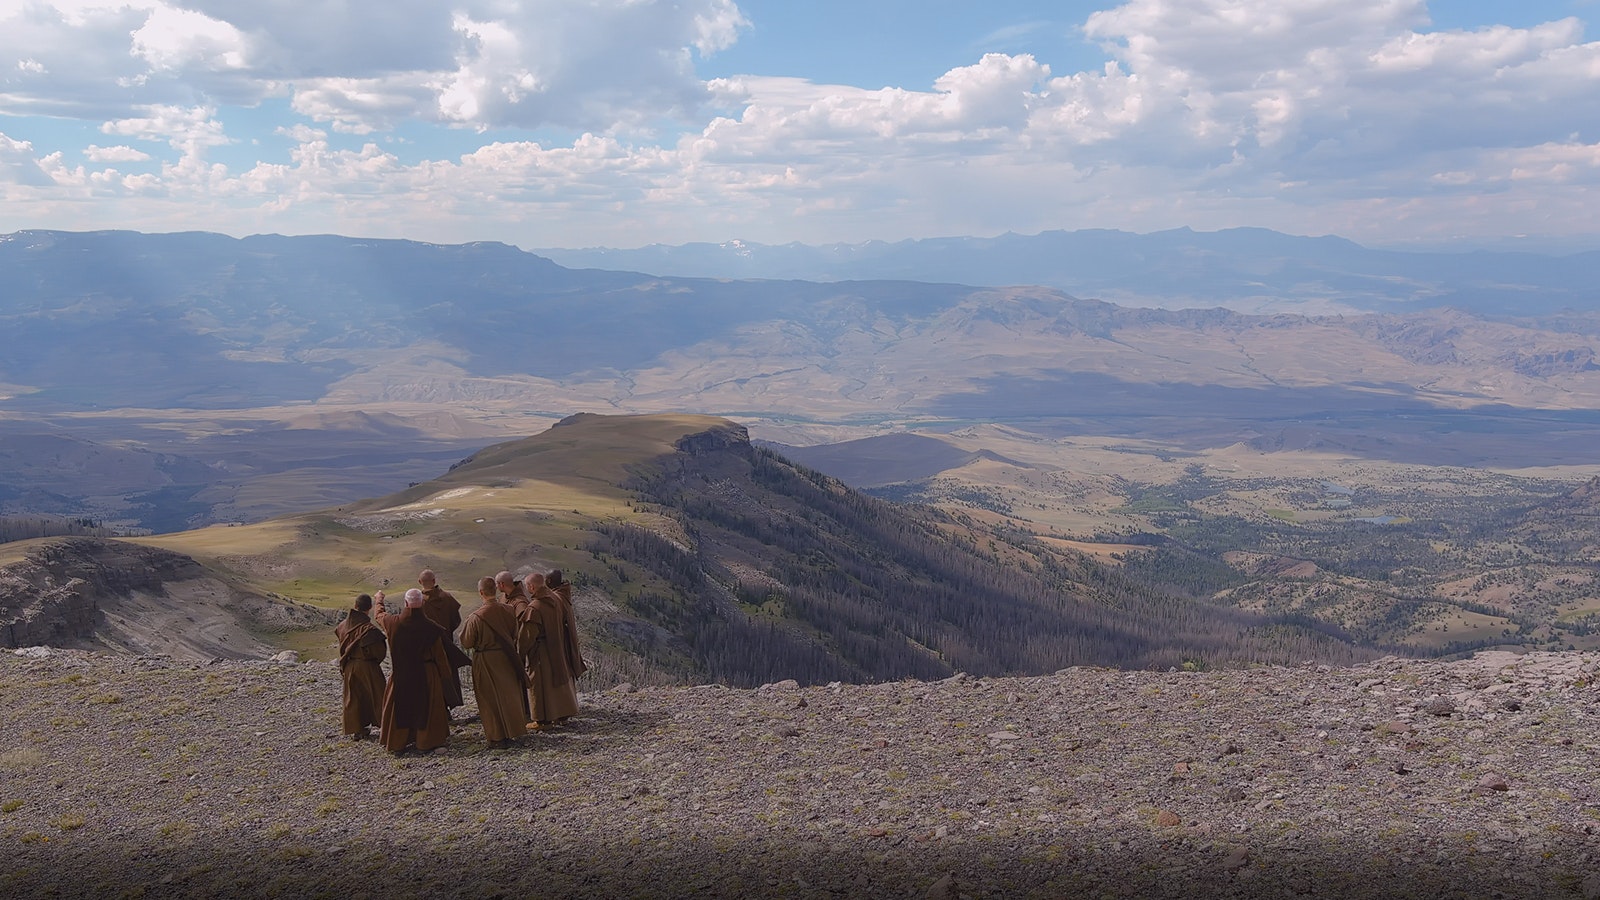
[
  {"x": 172, "y": 380},
  {"x": 1245, "y": 269}
]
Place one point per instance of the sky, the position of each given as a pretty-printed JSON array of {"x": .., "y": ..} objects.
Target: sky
[{"x": 621, "y": 123}]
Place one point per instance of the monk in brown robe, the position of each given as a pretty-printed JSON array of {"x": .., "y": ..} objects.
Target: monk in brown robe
[
  {"x": 362, "y": 647},
  {"x": 498, "y": 680},
  {"x": 442, "y": 608},
  {"x": 414, "y": 714},
  {"x": 511, "y": 592},
  {"x": 569, "y": 624},
  {"x": 552, "y": 692}
]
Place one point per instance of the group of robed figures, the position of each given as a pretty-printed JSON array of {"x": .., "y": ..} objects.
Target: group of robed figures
[{"x": 525, "y": 661}]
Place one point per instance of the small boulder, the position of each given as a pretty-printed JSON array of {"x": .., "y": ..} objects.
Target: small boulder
[
  {"x": 1492, "y": 782},
  {"x": 286, "y": 658},
  {"x": 1166, "y": 818},
  {"x": 1440, "y": 706}
]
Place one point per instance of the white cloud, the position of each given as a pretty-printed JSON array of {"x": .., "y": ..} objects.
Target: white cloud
[
  {"x": 301, "y": 133},
  {"x": 366, "y": 65},
  {"x": 179, "y": 38},
  {"x": 18, "y": 165},
  {"x": 188, "y": 129},
  {"x": 361, "y": 105},
  {"x": 599, "y": 64},
  {"x": 1345, "y": 116},
  {"x": 120, "y": 153}
]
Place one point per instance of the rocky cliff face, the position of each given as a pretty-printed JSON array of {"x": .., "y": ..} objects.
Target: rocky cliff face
[{"x": 113, "y": 595}]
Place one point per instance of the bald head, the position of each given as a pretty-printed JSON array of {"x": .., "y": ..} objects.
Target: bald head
[
  {"x": 504, "y": 581},
  {"x": 414, "y": 598},
  {"x": 427, "y": 580},
  {"x": 533, "y": 580},
  {"x": 486, "y": 586}
]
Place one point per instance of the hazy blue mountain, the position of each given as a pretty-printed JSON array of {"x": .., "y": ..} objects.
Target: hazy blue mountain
[
  {"x": 123, "y": 319},
  {"x": 1241, "y": 268},
  {"x": 244, "y": 334}
]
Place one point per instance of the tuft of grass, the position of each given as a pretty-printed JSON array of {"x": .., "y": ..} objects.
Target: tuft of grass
[
  {"x": 21, "y": 760},
  {"x": 69, "y": 821},
  {"x": 10, "y": 806}
]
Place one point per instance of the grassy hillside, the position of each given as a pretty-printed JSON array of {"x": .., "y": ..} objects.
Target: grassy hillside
[{"x": 700, "y": 556}]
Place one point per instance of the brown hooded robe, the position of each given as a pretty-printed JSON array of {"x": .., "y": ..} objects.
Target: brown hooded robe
[
  {"x": 443, "y": 610},
  {"x": 362, "y": 648},
  {"x": 569, "y": 630},
  {"x": 413, "y": 706},
  {"x": 552, "y": 692},
  {"x": 497, "y": 677}
]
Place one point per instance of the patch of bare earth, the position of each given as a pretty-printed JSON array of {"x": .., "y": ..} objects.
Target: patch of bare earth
[{"x": 128, "y": 776}]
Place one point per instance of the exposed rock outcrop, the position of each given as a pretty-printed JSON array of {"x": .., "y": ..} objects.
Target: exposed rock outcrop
[{"x": 94, "y": 593}]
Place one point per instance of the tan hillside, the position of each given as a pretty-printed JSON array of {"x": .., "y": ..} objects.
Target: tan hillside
[
  {"x": 519, "y": 505},
  {"x": 516, "y": 496}
]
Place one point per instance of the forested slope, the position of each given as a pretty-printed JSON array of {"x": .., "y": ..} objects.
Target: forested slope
[{"x": 782, "y": 572}]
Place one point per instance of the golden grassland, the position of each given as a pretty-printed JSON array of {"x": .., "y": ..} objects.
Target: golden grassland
[
  {"x": 514, "y": 504},
  {"x": 1457, "y": 625},
  {"x": 1106, "y": 553}
]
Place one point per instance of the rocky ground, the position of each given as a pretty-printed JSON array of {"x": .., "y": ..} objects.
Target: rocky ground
[{"x": 125, "y": 776}]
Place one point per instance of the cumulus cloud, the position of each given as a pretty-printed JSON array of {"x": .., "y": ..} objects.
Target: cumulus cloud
[
  {"x": 598, "y": 65},
  {"x": 119, "y": 153},
  {"x": 365, "y": 65},
  {"x": 172, "y": 39},
  {"x": 18, "y": 165},
  {"x": 1347, "y": 116},
  {"x": 190, "y": 130}
]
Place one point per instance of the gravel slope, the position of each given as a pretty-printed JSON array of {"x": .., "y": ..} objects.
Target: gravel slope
[{"x": 158, "y": 777}]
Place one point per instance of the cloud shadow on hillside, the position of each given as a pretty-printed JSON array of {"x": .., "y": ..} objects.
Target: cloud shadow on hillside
[{"x": 1376, "y": 421}]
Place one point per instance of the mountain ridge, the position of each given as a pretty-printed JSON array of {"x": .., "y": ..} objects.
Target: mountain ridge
[
  {"x": 698, "y": 555},
  {"x": 1250, "y": 268}
]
